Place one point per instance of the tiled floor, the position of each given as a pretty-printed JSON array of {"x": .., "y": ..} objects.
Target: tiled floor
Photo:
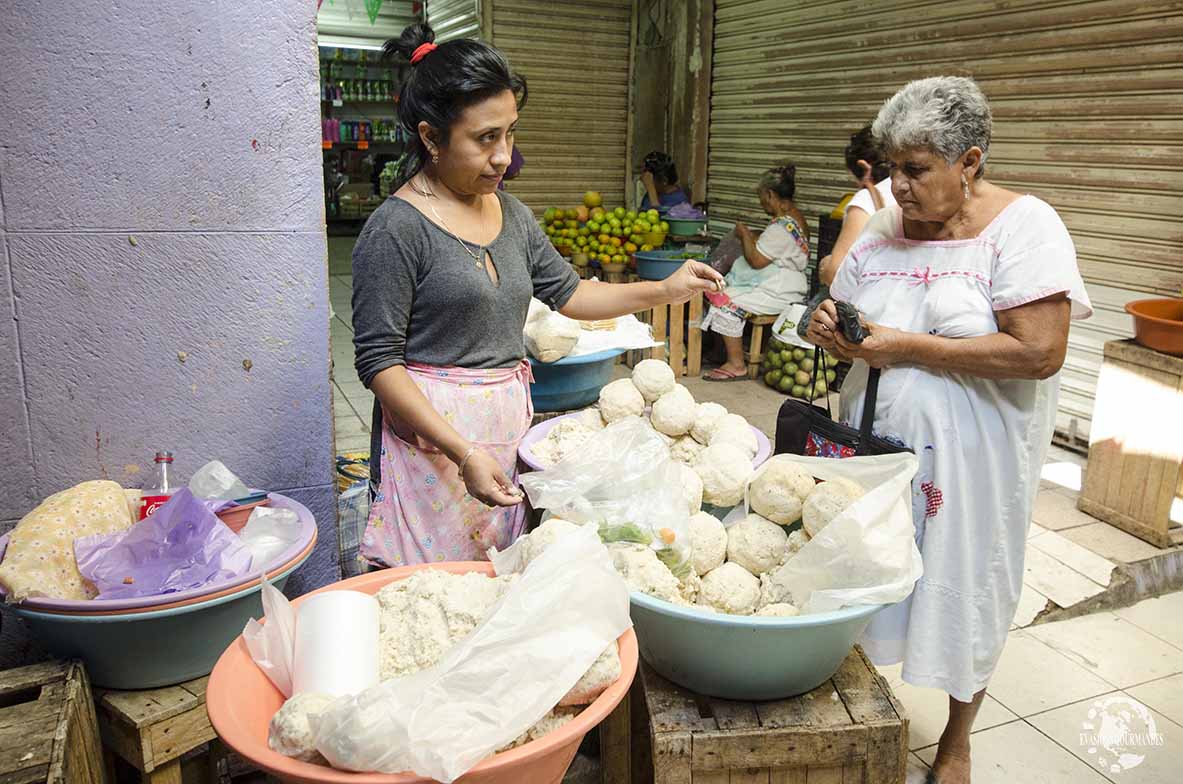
[
  {"x": 1032, "y": 726},
  {"x": 1050, "y": 675}
]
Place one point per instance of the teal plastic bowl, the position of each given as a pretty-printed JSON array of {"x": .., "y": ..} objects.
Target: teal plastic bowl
[
  {"x": 150, "y": 649},
  {"x": 686, "y": 227},
  {"x": 659, "y": 264},
  {"x": 738, "y": 657},
  {"x": 572, "y": 382}
]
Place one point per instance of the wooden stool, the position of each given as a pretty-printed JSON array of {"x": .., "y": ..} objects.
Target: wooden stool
[
  {"x": 755, "y": 352},
  {"x": 1135, "y": 471},
  {"x": 685, "y": 344},
  {"x": 152, "y": 729},
  {"x": 48, "y": 731},
  {"x": 851, "y": 728}
]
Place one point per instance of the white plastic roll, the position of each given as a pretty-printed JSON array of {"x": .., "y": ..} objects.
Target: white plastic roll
[{"x": 336, "y": 644}]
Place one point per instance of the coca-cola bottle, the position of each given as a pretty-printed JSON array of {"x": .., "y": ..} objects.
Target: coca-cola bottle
[{"x": 161, "y": 489}]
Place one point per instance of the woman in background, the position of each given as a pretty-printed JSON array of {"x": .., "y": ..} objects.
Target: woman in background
[
  {"x": 660, "y": 178},
  {"x": 869, "y": 168},
  {"x": 768, "y": 277}
]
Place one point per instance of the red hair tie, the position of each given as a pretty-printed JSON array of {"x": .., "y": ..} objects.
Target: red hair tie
[{"x": 422, "y": 51}]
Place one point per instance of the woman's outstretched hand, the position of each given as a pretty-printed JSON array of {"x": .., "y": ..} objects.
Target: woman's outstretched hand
[
  {"x": 487, "y": 483},
  {"x": 691, "y": 278}
]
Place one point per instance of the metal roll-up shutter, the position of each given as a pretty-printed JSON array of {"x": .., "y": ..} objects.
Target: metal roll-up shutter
[
  {"x": 573, "y": 131},
  {"x": 454, "y": 19},
  {"x": 1088, "y": 115},
  {"x": 346, "y": 23}
]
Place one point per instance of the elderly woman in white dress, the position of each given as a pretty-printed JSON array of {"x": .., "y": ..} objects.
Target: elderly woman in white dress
[{"x": 967, "y": 290}]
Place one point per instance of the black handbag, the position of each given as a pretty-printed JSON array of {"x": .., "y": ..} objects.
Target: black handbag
[{"x": 807, "y": 429}]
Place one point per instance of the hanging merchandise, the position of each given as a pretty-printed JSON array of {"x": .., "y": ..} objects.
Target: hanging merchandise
[{"x": 372, "y": 8}]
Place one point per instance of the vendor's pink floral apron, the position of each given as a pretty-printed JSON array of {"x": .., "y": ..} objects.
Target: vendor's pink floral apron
[{"x": 421, "y": 511}]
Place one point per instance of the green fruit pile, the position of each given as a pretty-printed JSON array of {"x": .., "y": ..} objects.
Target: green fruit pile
[{"x": 789, "y": 370}]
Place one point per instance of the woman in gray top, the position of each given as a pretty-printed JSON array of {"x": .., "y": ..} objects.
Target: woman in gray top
[{"x": 443, "y": 273}]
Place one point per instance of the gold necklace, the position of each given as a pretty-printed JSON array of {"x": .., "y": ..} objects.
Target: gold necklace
[{"x": 477, "y": 257}]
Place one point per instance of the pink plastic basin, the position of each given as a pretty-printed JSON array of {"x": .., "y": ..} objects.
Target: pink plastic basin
[{"x": 241, "y": 702}]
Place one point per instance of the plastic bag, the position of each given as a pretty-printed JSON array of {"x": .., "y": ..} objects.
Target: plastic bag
[
  {"x": 868, "y": 553},
  {"x": 268, "y": 532},
  {"x": 273, "y": 644},
  {"x": 179, "y": 547},
  {"x": 784, "y": 328},
  {"x": 542, "y": 636},
  {"x": 625, "y": 483},
  {"x": 215, "y": 481}
]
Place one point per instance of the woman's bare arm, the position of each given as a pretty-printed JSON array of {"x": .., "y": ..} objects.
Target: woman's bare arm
[
  {"x": 853, "y": 224},
  {"x": 594, "y": 299},
  {"x": 1031, "y": 343}
]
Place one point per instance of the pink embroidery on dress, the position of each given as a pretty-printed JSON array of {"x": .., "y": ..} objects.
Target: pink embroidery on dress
[
  {"x": 926, "y": 275},
  {"x": 934, "y": 499}
]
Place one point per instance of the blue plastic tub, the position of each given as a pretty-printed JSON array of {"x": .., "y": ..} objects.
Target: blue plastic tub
[
  {"x": 150, "y": 649},
  {"x": 738, "y": 657},
  {"x": 658, "y": 264},
  {"x": 572, "y": 382}
]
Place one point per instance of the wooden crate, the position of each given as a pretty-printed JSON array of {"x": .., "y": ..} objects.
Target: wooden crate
[
  {"x": 1135, "y": 469},
  {"x": 678, "y": 327},
  {"x": 849, "y": 730},
  {"x": 48, "y": 731},
  {"x": 153, "y": 729}
]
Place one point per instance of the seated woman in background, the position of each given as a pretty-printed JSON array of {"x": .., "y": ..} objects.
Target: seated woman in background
[
  {"x": 659, "y": 175},
  {"x": 869, "y": 168},
  {"x": 769, "y": 276}
]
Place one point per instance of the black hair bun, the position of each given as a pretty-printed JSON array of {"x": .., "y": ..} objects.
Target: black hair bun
[{"x": 409, "y": 40}]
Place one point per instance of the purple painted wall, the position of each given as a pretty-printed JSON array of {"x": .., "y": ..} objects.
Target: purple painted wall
[{"x": 164, "y": 282}]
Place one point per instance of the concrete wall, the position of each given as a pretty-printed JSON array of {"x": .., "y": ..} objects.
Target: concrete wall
[{"x": 163, "y": 279}]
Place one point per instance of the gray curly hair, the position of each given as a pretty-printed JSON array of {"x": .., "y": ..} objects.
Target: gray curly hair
[{"x": 946, "y": 114}]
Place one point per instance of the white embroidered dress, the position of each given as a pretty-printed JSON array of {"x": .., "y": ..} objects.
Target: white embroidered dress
[{"x": 981, "y": 442}]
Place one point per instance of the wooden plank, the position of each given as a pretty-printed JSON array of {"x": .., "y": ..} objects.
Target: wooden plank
[
  {"x": 670, "y": 708},
  {"x": 694, "y": 338},
  {"x": 615, "y": 746},
  {"x": 863, "y": 691},
  {"x": 178, "y": 735},
  {"x": 672, "y": 757},
  {"x": 747, "y": 776},
  {"x": 78, "y": 756},
  {"x": 125, "y": 740},
  {"x": 169, "y": 774},
  {"x": 817, "y": 709},
  {"x": 731, "y": 715},
  {"x": 787, "y": 776},
  {"x": 677, "y": 340},
  {"x": 829, "y": 775},
  {"x": 660, "y": 318},
  {"x": 779, "y": 748},
  {"x": 141, "y": 708},
  {"x": 197, "y": 687},
  {"x": 33, "y": 676}
]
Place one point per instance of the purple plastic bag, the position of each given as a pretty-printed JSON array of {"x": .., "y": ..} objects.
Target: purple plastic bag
[{"x": 182, "y": 546}]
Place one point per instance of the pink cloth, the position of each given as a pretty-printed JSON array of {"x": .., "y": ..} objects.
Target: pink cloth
[{"x": 422, "y": 512}]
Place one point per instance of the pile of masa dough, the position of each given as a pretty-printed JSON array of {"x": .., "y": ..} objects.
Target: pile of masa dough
[
  {"x": 420, "y": 618},
  {"x": 740, "y": 570}
]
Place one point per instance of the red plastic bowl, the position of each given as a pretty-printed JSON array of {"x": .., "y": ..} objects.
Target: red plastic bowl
[
  {"x": 1158, "y": 324},
  {"x": 241, "y": 702}
]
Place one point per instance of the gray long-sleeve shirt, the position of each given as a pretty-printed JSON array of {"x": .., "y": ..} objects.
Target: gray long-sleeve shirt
[{"x": 419, "y": 297}]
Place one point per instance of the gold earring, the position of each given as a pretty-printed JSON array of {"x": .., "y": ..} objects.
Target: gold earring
[
  {"x": 965, "y": 186},
  {"x": 435, "y": 157}
]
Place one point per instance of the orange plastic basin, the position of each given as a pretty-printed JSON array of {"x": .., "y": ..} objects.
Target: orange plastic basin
[
  {"x": 241, "y": 702},
  {"x": 1158, "y": 324}
]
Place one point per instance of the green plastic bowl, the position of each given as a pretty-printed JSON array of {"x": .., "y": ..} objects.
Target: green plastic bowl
[
  {"x": 739, "y": 657},
  {"x": 150, "y": 649},
  {"x": 686, "y": 227}
]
